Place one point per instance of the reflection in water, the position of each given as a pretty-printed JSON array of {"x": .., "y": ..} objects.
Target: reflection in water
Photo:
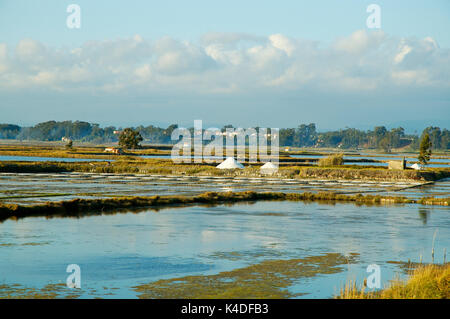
[
  {"x": 423, "y": 214},
  {"x": 123, "y": 251}
]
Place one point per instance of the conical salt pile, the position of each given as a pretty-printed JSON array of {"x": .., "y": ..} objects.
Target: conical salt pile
[
  {"x": 269, "y": 168},
  {"x": 230, "y": 163}
]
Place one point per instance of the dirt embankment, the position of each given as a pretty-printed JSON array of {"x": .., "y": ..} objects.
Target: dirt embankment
[{"x": 85, "y": 207}]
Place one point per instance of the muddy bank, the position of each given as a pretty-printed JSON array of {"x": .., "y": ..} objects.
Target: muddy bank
[{"x": 267, "y": 280}]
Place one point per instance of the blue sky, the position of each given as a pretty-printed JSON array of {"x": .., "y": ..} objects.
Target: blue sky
[
  {"x": 321, "y": 20},
  {"x": 269, "y": 63}
]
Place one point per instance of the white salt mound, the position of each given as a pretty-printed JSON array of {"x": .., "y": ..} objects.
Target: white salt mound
[
  {"x": 269, "y": 165},
  {"x": 230, "y": 163},
  {"x": 269, "y": 168}
]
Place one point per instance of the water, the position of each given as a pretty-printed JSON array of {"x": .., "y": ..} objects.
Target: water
[
  {"x": 27, "y": 188},
  {"x": 117, "y": 252},
  {"x": 218, "y": 159}
]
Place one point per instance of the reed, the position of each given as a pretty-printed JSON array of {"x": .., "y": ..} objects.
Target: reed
[
  {"x": 380, "y": 174},
  {"x": 332, "y": 160},
  {"x": 425, "y": 282}
]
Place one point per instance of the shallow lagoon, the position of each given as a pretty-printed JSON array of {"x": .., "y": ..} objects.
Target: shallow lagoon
[{"x": 117, "y": 252}]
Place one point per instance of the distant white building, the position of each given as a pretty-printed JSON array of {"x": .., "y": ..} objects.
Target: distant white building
[{"x": 114, "y": 150}]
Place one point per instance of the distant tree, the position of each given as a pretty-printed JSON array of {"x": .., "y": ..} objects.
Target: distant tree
[
  {"x": 305, "y": 135},
  {"x": 445, "y": 140},
  {"x": 9, "y": 131},
  {"x": 130, "y": 138},
  {"x": 439, "y": 138},
  {"x": 287, "y": 137},
  {"x": 69, "y": 145},
  {"x": 167, "y": 133},
  {"x": 385, "y": 144},
  {"x": 425, "y": 149}
]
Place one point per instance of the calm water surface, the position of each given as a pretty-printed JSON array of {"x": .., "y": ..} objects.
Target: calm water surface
[
  {"x": 117, "y": 252},
  {"x": 30, "y": 188}
]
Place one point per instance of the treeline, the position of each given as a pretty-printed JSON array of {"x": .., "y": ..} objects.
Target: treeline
[
  {"x": 81, "y": 131},
  {"x": 379, "y": 138},
  {"x": 304, "y": 135}
]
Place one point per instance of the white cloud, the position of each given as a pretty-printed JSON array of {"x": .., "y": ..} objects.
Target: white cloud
[
  {"x": 3, "y": 57},
  {"x": 227, "y": 63},
  {"x": 143, "y": 72},
  {"x": 44, "y": 77},
  {"x": 281, "y": 42},
  {"x": 403, "y": 51},
  {"x": 360, "y": 41}
]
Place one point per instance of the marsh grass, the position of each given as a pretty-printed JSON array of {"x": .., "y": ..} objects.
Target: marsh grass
[
  {"x": 56, "y": 151},
  {"x": 424, "y": 282},
  {"x": 85, "y": 207},
  {"x": 167, "y": 167},
  {"x": 374, "y": 174},
  {"x": 331, "y": 160},
  {"x": 49, "y": 291},
  {"x": 434, "y": 201}
]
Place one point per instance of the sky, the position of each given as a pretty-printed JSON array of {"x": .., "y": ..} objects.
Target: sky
[{"x": 267, "y": 63}]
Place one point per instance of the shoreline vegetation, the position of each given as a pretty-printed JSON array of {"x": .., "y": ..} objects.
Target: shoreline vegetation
[
  {"x": 87, "y": 150},
  {"x": 326, "y": 163},
  {"x": 304, "y": 135},
  {"x": 89, "y": 207},
  {"x": 167, "y": 167},
  {"x": 269, "y": 279},
  {"x": 430, "y": 281}
]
